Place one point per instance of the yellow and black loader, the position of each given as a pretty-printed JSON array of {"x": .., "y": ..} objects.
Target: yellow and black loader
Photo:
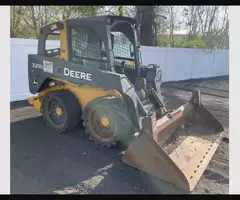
[{"x": 96, "y": 78}]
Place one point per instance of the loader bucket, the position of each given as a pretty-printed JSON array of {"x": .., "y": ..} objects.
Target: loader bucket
[{"x": 168, "y": 150}]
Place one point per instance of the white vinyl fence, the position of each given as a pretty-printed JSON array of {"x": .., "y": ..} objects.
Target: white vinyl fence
[{"x": 176, "y": 63}]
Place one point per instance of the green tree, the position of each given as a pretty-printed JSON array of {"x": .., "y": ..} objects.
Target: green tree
[{"x": 26, "y": 21}]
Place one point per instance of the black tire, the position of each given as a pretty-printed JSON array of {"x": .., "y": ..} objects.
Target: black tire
[
  {"x": 120, "y": 121},
  {"x": 71, "y": 115}
]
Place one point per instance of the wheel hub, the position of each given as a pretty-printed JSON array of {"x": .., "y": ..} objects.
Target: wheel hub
[
  {"x": 104, "y": 121},
  {"x": 58, "y": 111}
]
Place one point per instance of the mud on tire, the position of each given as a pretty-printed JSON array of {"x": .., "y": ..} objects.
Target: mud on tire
[{"x": 70, "y": 108}]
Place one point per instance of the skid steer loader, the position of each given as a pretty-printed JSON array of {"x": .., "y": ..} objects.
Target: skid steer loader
[{"x": 96, "y": 78}]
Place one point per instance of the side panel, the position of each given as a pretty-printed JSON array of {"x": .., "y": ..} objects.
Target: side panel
[
  {"x": 84, "y": 94},
  {"x": 41, "y": 68}
]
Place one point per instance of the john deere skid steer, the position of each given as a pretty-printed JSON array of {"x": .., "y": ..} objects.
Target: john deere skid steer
[{"x": 96, "y": 78}]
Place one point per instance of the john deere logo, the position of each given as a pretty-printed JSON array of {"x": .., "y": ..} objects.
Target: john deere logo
[{"x": 77, "y": 74}]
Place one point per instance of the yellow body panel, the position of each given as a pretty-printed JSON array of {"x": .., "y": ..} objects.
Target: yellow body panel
[
  {"x": 63, "y": 43},
  {"x": 84, "y": 94},
  {"x": 36, "y": 102}
]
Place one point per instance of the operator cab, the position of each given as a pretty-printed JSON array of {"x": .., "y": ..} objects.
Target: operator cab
[
  {"x": 101, "y": 42},
  {"x": 106, "y": 42}
]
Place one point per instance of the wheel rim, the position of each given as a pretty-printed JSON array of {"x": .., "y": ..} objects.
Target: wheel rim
[
  {"x": 102, "y": 123},
  {"x": 56, "y": 112}
]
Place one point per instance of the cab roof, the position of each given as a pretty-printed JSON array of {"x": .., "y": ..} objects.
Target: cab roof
[{"x": 100, "y": 19}]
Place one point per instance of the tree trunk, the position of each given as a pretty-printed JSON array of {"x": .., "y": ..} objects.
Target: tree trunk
[
  {"x": 145, "y": 16},
  {"x": 12, "y": 35},
  {"x": 34, "y": 20}
]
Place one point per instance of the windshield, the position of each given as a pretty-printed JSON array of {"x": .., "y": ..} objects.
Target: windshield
[
  {"x": 85, "y": 48},
  {"x": 122, "y": 38},
  {"x": 122, "y": 48}
]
